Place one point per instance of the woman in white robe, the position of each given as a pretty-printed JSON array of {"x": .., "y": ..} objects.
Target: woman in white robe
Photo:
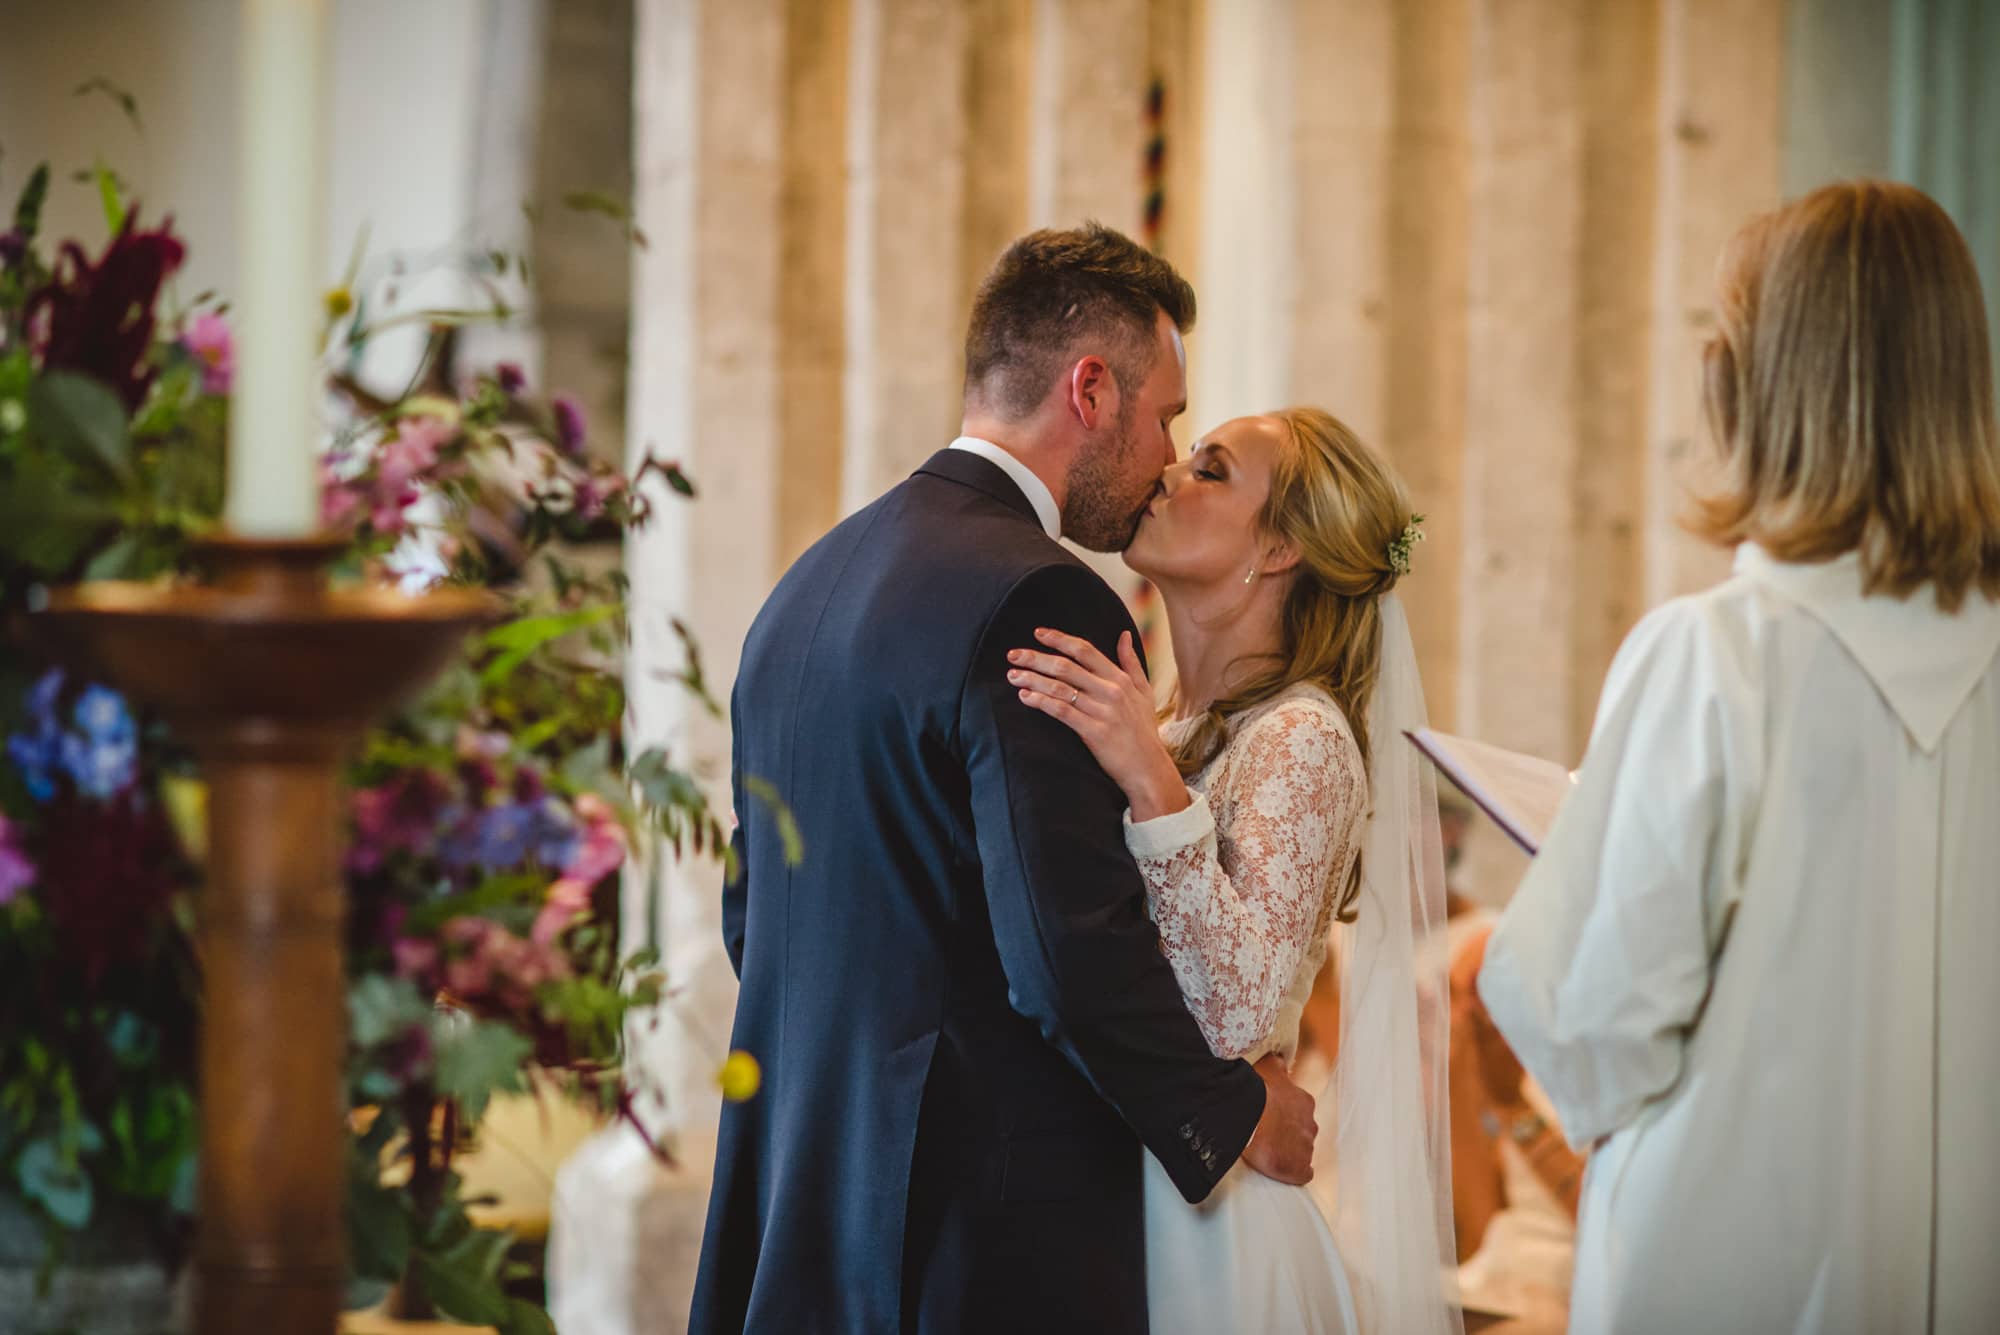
[{"x": 1754, "y": 960}]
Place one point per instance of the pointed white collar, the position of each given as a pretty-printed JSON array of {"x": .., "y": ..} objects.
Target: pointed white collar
[
  {"x": 1924, "y": 661},
  {"x": 1022, "y": 476}
]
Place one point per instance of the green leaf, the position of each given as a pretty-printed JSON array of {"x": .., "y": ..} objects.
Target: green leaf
[
  {"x": 524, "y": 1318},
  {"x": 28, "y": 212},
  {"x": 461, "y": 1284},
  {"x": 477, "y": 1059},
  {"x": 78, "y": 413},
  {"x": 380, "y": 1007},
  {"x": 63, "y": 1189},
  {"x": 126, "y": 102},
  {"x": 379, "y": 1234},
  {"x": 108, "y": 197},
  {"x": 517, "y": 639},
  {"x": 46, "y": 524},
  {"x": 788, "y": 826},
  {"x": 119, "y": 560}
]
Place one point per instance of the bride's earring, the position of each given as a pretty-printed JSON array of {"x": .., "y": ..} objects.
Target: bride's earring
[{"x": 1251, "y": 576}]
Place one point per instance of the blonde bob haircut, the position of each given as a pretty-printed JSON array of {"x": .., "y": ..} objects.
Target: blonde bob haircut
[{"x": 1850, "y": 388}]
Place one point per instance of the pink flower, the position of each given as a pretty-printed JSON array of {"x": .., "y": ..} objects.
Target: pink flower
[
  {"x": 411, "y": 454},
  {"x": 414, "y": 958},
  {"x": 602, "y": 848},
  {"x": 592, "y": 494},
  {"x": 16, "y": 872},
  {"x": 569, "y": 899},
  {"x": 209, "y": 339}
]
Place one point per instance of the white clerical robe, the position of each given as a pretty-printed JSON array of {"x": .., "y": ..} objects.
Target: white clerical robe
[{"x": 1760, "y": 951}]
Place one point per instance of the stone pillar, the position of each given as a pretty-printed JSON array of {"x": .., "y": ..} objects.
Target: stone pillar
[
  {"x": 1525, "y": 240},
  {"x": 906, "y": 207},
  {"x": 1379, "y": 324},
  {"x": 1087, "y": 115},
  {"x": 1619, "y": 90},
  {"x": 812, "y": 346},
  {"x": 706, "y": 385},
  {"x": 1718, "y": 130},
  {"x": 1248, "y": 270},
  {"x": 1522, "y": 449},
  {"x": 998, "y": 67}
]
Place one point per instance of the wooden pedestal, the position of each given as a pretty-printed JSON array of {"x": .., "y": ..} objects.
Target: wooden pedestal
[{"x": 272, "y": 677}]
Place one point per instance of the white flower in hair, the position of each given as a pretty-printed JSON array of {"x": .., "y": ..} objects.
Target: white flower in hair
[{"x": 1399, "y": 550}]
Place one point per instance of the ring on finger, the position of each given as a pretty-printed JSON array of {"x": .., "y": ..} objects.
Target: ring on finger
[{"x": 1075, "y": 694}]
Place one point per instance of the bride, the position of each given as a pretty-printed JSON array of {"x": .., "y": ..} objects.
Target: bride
[{"x": 1275, "y": 810}]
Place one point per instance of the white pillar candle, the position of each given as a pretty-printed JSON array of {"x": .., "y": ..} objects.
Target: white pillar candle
[{"x": 274, "y": 428}]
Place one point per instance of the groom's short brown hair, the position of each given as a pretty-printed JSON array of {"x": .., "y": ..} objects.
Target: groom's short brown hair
[{"x": 1052, "y": 296}]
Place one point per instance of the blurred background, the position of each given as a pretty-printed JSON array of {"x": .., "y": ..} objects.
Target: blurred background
[{"x": 1480, "y": 231}]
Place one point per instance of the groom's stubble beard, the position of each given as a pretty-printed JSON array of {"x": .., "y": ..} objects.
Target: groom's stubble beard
[{"x": 1097, "y": 516}]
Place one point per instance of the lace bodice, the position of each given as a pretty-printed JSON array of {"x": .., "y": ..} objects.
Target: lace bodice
[{"x": 1243, "y": 881}]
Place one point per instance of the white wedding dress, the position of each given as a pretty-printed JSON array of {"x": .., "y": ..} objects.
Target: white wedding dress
[{"x": 1242, "y": 885}]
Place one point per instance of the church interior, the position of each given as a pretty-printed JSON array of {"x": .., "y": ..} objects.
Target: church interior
[{"x": 692, "y": 278}]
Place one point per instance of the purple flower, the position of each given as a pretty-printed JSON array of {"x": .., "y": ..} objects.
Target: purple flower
[
  {"x": 506, "y": 833},
  {"x": 16, "y": 872},
  {"x": 570, "y": 428},
  {"x": 400, "y": 816},
  {"x": 594, "y": 493},
  {"x": 12, "y": 247},
  {"x": 557, "y": 834},
  {"x": 209, "y": 340},
  {"x": 510, "y": 379}
]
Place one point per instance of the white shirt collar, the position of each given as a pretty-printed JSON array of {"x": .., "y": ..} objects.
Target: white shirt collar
[
  {"x": 1924, "y": 661},
  {"x": 1036, "y": 490}
]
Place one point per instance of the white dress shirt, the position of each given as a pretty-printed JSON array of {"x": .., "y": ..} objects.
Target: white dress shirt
[{"x": 1032, "y": 487}]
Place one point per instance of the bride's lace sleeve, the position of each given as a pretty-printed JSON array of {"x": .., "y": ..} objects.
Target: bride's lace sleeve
[{"x": 1238, "y": 915}]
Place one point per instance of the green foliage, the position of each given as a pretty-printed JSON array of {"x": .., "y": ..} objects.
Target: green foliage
[{"x": 477, "y": 1059}]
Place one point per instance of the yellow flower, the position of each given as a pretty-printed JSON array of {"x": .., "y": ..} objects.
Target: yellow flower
[
  {"x": 740, "y": 1077},
  {"x": 339, "y": 301}
]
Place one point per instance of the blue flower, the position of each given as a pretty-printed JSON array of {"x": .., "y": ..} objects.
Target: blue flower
[
  {"x": 505, "y": 834},
  {"x": 103, "y": 717},
  {"x": 35, "y": 755},
  {"x": 557, "y": 835},
  {"x": 103, "y": 755},
  {"x": 42, "y": 701},
  {"x": 101, "y": 769},
  {"x": 37, "y": 751}
]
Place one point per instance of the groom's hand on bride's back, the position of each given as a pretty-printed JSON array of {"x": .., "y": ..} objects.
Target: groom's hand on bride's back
[{"x": 1281, "y": 1147}]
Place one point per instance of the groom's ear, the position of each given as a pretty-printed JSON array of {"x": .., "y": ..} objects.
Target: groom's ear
[{"x": 1092, "y": 392}]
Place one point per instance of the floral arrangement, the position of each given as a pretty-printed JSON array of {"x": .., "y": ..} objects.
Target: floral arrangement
[{"x": 490, "y": 820}]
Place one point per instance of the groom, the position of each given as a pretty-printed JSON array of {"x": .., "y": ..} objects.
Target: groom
[{"x": 966, "y": 1026}]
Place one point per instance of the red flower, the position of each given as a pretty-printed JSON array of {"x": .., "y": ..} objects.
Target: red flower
[
  {"x": 98, "y": 319},
  {"x": 108, "y": 871}
]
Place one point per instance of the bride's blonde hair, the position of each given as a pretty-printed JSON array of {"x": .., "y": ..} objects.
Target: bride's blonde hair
[{"x": 1343, "y": 509}]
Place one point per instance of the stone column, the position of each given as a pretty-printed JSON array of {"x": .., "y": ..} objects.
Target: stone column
[
  {"x": 1525, "y": 244},
  {"x": 706, "y": 387},
  {"x": 1379, "y": 325},
  {"x": 1719, "y": 131},
  {"x": 1087, "y": 116},
  {"x": 906, "y": 207},
  {"x": 1522, "y": 429}
]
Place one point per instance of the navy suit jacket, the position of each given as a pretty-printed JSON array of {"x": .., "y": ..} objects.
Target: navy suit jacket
[{"x": 966, "y": 1027}]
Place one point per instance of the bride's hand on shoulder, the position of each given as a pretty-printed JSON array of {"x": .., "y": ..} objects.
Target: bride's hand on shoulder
[{"x": 1110, "y": 706}]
